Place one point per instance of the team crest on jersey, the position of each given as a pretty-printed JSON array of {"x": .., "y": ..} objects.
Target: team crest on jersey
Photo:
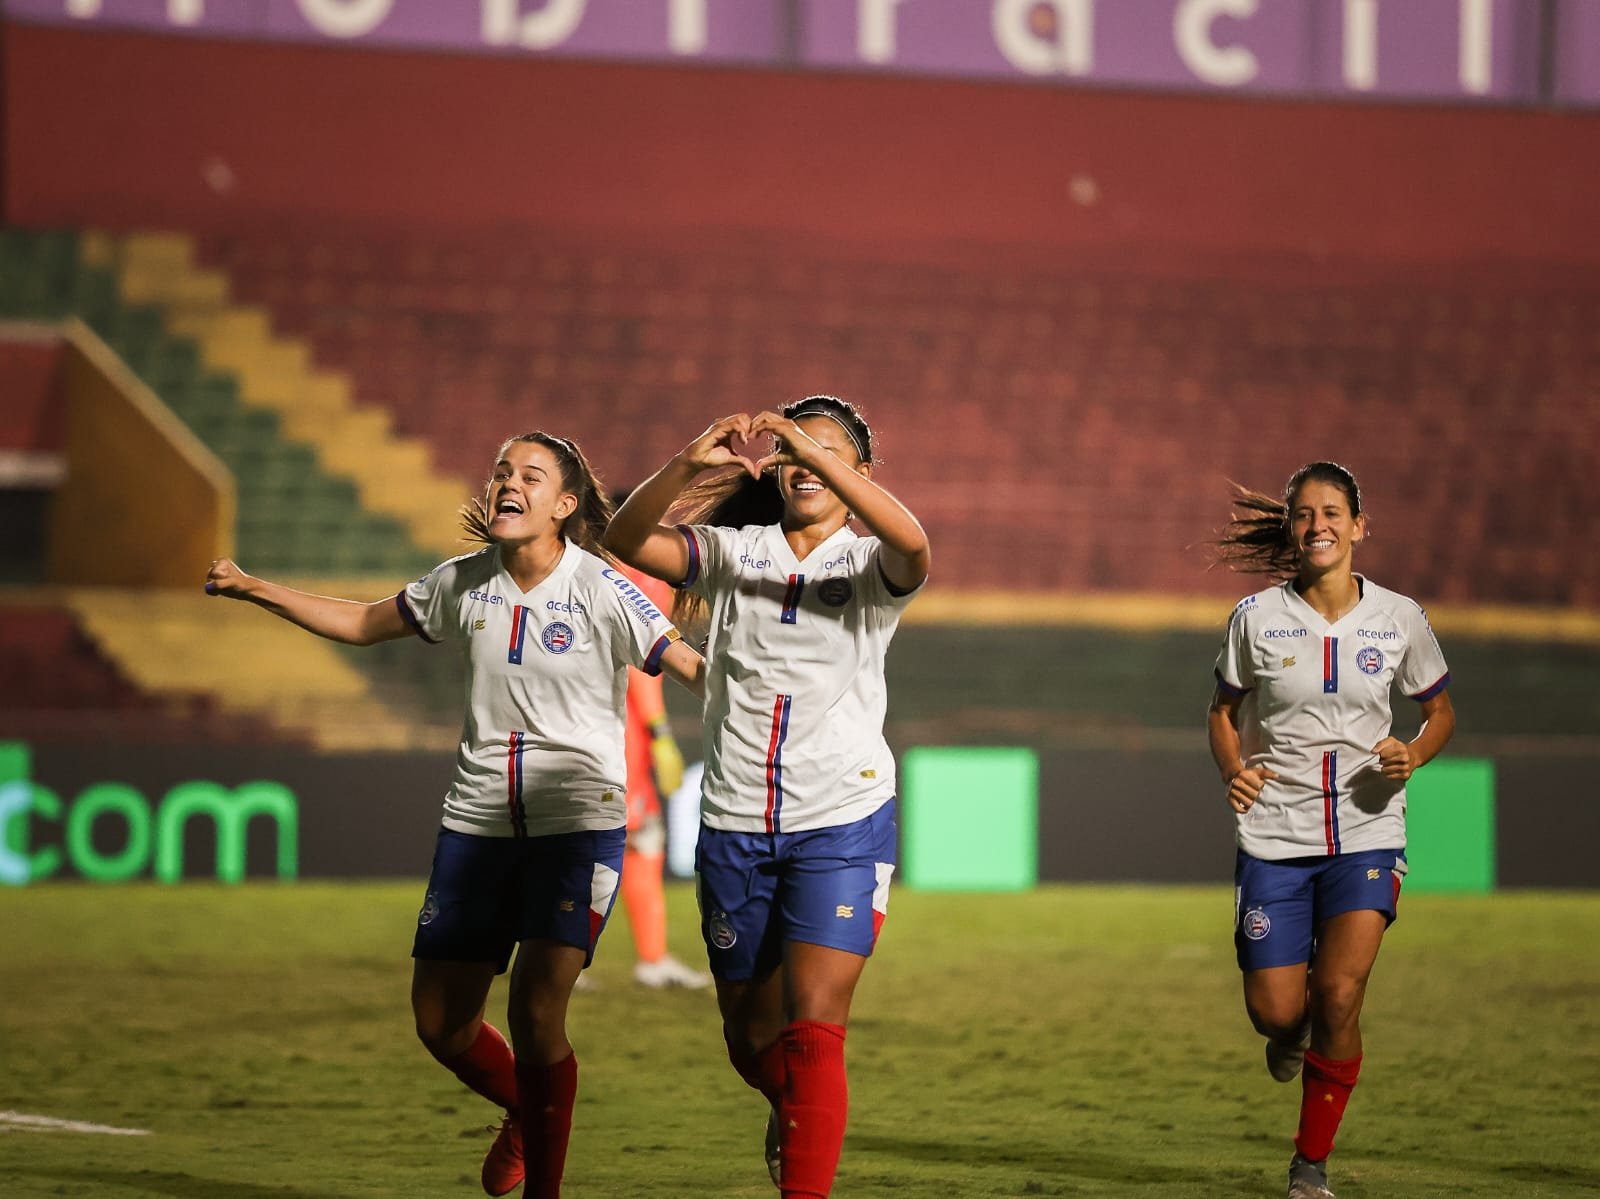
[
  {"x": 1256, "y": 924},
  {"x": 1369, "y": 659},
  {"x": 721, "y": 929},
  {"x": 557, "y": 637},
  {"x": 835, "y": 593},
  {"x": 430, "y": 909}
]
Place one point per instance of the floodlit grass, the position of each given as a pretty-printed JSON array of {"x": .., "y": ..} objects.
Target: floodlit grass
[{"x": 1075, "y": 1041}]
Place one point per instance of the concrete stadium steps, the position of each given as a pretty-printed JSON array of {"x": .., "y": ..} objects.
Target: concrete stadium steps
[
  {"x": 394, "y": 475},
  {"x": 252, "y": 663}
]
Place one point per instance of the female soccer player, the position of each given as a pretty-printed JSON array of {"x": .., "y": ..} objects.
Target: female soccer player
[
  {"x": 798, "y": 837},
  {"x": 533, "y": 828},
  {"x": 1300, "y": 729}
]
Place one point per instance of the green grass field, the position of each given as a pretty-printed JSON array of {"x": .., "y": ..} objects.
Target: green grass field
[{"x": 1075, "y": 1041}]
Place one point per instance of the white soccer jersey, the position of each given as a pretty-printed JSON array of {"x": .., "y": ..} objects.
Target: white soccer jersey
[
  {"x": 541, "y": 747},
  {"x": 1316, "y": 700},
  {"x": 795, "y": 694}
]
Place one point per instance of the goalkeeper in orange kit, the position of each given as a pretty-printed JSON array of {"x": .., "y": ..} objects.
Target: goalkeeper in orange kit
[{"x": 655, "y": 768}]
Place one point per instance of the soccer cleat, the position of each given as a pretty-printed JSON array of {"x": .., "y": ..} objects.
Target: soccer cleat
[
  {"x": 774, "y": 1150},
  {"x": 1308, "y": 1180},
  {"x": 502, "y": 1165},
  {"x": 668, "y": 971},
  {"x": 1284, "y": 1060}
]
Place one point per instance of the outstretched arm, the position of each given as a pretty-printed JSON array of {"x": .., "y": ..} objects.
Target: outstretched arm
[
  {"x": 636, "y": 534},
  {"x": 349, "y": 621},
  {"x": 905, "y": 554}
]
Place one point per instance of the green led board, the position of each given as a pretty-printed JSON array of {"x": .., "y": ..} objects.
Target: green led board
[
  {"x": 969, "y": 819},
  {"x": 1450, "y": 842}
]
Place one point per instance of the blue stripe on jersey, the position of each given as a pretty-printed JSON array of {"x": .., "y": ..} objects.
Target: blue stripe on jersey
[
  {"x": 1227, "y": 688},
  {"x": 791, "y": 599},
  {"x": 1330, "y": 665},
  {"x": 780, "y": 733},
  {"x": 410, "y": 617},
  {"x": 652, "y": 661},
  {"x": 1430, "y": 692},
  {"x": 1330, "y": 800},
  {"x": 514, "y": 806},
  {"x": 519, "y": 634},
  {"x": 694, "y": 556}
]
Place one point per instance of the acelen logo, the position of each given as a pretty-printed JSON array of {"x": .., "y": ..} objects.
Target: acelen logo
[{"x": 151, "y": 836}]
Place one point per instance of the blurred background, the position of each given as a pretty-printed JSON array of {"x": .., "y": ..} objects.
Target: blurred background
[{"x": 278, "y": 276}]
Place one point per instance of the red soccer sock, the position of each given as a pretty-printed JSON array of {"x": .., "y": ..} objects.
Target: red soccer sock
[
  {"x": 646, "y": 901},
  {"x": 488, "y": 1067},
  {"x": 546, "y": 1095},
  {"x": 1325, "y": 1087},
  {"x": 764, "y": 1071},
  {"x": 816, "y": 1101}
]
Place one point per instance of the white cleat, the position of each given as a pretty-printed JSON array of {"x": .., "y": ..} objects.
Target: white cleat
[
  {"x": 668, "y": 971},
  {"x": 1284, "y": 1061},
  {"x": 1308, "y": 1180}
]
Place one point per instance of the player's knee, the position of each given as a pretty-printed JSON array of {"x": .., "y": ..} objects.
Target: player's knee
[
  {"x": 444, "y": 1039},
  {"x": 1336, "y": 1000},
  {"x": 1279, "y": 1018}
]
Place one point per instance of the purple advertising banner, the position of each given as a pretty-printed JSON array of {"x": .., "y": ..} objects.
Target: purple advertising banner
[
  {"x": 1470, "y": 50},
  {"x": 1577, "y": 37},
  {"x": 1441, "y": 49},
  {"x": 1457, "y": 49},
  {"x": 733, "y": 31}
]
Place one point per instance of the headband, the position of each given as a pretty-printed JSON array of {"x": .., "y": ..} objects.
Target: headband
[{"x": 861, "y": 450}]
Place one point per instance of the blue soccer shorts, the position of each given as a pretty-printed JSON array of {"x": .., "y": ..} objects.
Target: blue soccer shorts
[
  {"x": 1278, "y": 906},
  {"x": 827, "y": 886},
  {"x": 487, "y": 894}
]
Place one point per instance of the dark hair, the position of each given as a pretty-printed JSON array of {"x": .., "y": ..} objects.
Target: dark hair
[
  {"x": 588, "y": 520},
  {"x": 732, "y": 499},
  {"x": 1256, "y": 540}
]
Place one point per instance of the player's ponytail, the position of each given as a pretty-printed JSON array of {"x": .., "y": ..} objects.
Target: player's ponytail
[
  {"x": 588, "y": 521},
  {"x": 1257, "y": 541}
]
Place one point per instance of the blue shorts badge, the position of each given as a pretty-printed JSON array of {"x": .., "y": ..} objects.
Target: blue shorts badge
[
  {"x": 557, "y": 637},
  {"x": 430, "y": 909},
  {"x": 721, "y": 930},
  {"x": 1256, "y": 924}
]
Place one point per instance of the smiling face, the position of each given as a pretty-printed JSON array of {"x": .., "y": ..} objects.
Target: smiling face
[
  {"x": 807, "y": 500},
  {"x": 527, "y": 498},
  {"x": 1322, "y": 528}
]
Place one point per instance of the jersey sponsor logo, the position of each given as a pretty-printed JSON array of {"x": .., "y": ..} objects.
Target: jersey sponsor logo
[
  {"x": 572, "y": 608},
  {"x": 1379, "y": 634},
  {"x": 479, "y": 625},
  {"x": 754, "y": 563},
  {"x": 638, "y": 602},
  {"x": 721, "y": 930},
  {"x": 557, "y": 637},
  {"x": 485, "y": 597},
  {"x": 835, "y": 593},
  {"x": 1288, "y": 662},
  {"x": 1256, "y": 924},
  {"x": 430, "y": 909},
  {"x": 1275, "y": 634},
  {"x": 835, "y": 563},
  {"x": 1369, "y": 659}
]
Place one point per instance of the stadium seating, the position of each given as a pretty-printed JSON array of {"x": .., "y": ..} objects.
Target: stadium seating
[
  {"x": 294, "y": 515},
  {"x": 1058, "y": 426},
  {"x": 60, "y": 687}
]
